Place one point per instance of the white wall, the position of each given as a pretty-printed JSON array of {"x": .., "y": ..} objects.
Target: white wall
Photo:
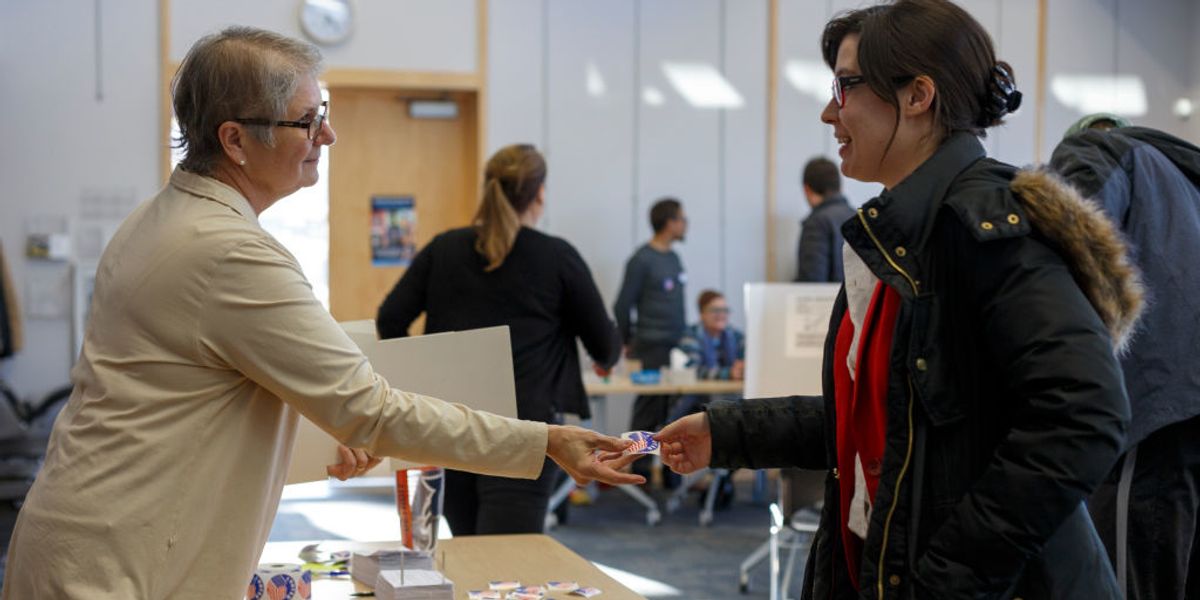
[
  {"x": 574, "y": 77},
  {"x": 406, "y": 35},
  {"x": 65, "y": 143},
  {"x": 1146, "y": 42}
]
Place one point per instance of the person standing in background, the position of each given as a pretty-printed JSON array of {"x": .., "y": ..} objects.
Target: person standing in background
[
  {"x": 1147, "y": 510},
  {"x": 502, "y": 271},
  {"x": 653, "y": 289},
  {"x": 819, "y": 258}
]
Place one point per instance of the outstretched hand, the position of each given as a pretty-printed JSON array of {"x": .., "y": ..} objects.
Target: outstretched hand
[
  {"x": 686, "y": 444},
  {"x": 351, "y": 462},
  {"x": 577, "y": 451}
]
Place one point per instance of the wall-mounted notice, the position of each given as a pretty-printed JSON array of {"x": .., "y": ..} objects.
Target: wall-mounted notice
[
  {"x": 806, "y": 322},
  {"x": 393, "y": 231}
]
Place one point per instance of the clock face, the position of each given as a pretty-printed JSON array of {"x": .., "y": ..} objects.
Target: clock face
[{"x": 327, "y": 22}]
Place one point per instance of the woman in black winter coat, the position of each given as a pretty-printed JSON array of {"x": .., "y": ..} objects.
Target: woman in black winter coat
[{"x": 972, "y": 398}]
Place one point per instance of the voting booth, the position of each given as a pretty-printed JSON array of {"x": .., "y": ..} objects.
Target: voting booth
[
  {"x": 473, "y": 368},
  {"x": 786, "y": 325}
]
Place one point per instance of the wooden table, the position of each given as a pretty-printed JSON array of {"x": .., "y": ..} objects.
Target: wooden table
[{"x": 470, "y": 562}]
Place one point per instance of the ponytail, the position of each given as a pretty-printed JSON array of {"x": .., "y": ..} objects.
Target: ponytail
[
  {"x": 496, "y": 225},
  {"x": 513, "y": 180}
]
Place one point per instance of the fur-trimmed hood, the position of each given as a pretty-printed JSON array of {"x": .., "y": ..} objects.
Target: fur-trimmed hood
[{"x": 1091, "y": 245}]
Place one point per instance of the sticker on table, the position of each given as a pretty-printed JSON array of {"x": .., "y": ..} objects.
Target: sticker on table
[
  {"x": 562, "y": 586},
  {"x": 485, "y": 595},
  {"x": 643, "y": 442},
  {"x": 531, "y": 589},
  {"x": 504, "y": 586},
  {"x": 514, "y": 595},
  {"x": 586, "y": 592}
]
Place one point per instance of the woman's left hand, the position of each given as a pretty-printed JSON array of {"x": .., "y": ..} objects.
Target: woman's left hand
[{"x": 352, "y": 462}]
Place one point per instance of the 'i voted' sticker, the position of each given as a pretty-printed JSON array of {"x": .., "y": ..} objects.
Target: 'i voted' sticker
[{"x": 643, "y": 442}]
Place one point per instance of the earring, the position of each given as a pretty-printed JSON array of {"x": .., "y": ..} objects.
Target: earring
[{"x": 242, "y": 162}]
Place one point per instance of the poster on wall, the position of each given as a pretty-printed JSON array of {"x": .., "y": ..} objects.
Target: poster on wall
[{"x": 393, "y": 231}]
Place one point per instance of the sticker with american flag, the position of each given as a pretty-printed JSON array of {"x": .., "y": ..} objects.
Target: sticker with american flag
[
  {"x": 281, "y": 587},
  {"x": 586, "y": 592},
  {"x": 485, "y": 595},
  {"x": 643, "y": 442}
]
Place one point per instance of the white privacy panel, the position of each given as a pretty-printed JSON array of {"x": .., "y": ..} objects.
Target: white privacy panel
[
  {"x": 590, "y": 132},
  {"x": 744, "y": 153},
  {"x": 405, "y": 35},
  {"x": 678, "y": 127},
  {"x": 516, "y": 90}
]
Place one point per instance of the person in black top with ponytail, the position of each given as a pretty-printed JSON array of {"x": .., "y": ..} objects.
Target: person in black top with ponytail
[
  {"x": 502, "y": 271},
  {"x": 971, "y": 396}
]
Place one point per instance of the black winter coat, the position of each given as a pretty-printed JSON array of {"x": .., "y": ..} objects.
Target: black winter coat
[{"x": 1005, "y": 403}]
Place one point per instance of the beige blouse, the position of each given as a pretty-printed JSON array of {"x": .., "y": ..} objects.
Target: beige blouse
[{"x": 204, "y": 345}]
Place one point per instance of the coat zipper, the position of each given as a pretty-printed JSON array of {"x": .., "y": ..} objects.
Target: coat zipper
[{"x": 887, "y": 522}]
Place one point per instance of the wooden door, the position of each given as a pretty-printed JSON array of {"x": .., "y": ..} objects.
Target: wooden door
[{"x": 382, "y": 151}]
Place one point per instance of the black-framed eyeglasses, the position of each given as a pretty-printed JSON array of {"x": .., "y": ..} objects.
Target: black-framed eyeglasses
[
  {"x": 841, "y": 84},
  {"x": 313, "y": 125}
]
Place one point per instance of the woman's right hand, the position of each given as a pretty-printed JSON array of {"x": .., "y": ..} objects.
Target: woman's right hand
[{"x": 686, "y": 444}]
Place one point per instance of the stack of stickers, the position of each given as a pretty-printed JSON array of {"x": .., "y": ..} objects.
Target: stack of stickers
[
  {"x": 413, "y": 584},
  {"x": 513, "y": 590},
  {"x": 366, "y": 567}
]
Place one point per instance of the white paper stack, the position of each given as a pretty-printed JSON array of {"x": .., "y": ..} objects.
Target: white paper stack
[
  {"x": 413, "y": 584},
  {"x": 366, "y": 567}
]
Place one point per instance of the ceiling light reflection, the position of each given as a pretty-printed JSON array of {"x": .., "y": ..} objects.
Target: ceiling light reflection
[
  {"x": 1123, "y": 95},
  {"x": 702, "y": 85}
]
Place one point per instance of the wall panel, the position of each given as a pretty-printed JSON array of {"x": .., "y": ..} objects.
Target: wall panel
[
  {"x": 590, "y": 136},
  {"x": 678, "y": 153},
  {"x": 402, "y": 35}
]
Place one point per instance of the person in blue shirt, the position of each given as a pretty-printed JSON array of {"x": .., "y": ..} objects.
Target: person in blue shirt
[{"x": 714, "y": 348}]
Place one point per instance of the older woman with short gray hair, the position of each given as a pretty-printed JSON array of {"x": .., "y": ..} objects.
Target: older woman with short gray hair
[{"x": 204, "y": 346}]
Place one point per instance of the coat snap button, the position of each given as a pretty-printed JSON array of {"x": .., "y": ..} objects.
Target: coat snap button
[
  {"x": 921, "y": 364},
  {"x": 986, "y": 225},
  {"x": 894, "y": 581},
  {"x": 873, "y": 212},
  {"x": 900, "y": 251},
  {"x": 1014, "y": 219}
]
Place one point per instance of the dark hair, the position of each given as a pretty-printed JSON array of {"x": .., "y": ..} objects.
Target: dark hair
[
  {"x": 936, "y": 38},
  {"x": 513, "y": 176},
  {"x": 706, "y": 298},
  {"x": 663, "y": 211},
  {"x": 822, "y": 176}
]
